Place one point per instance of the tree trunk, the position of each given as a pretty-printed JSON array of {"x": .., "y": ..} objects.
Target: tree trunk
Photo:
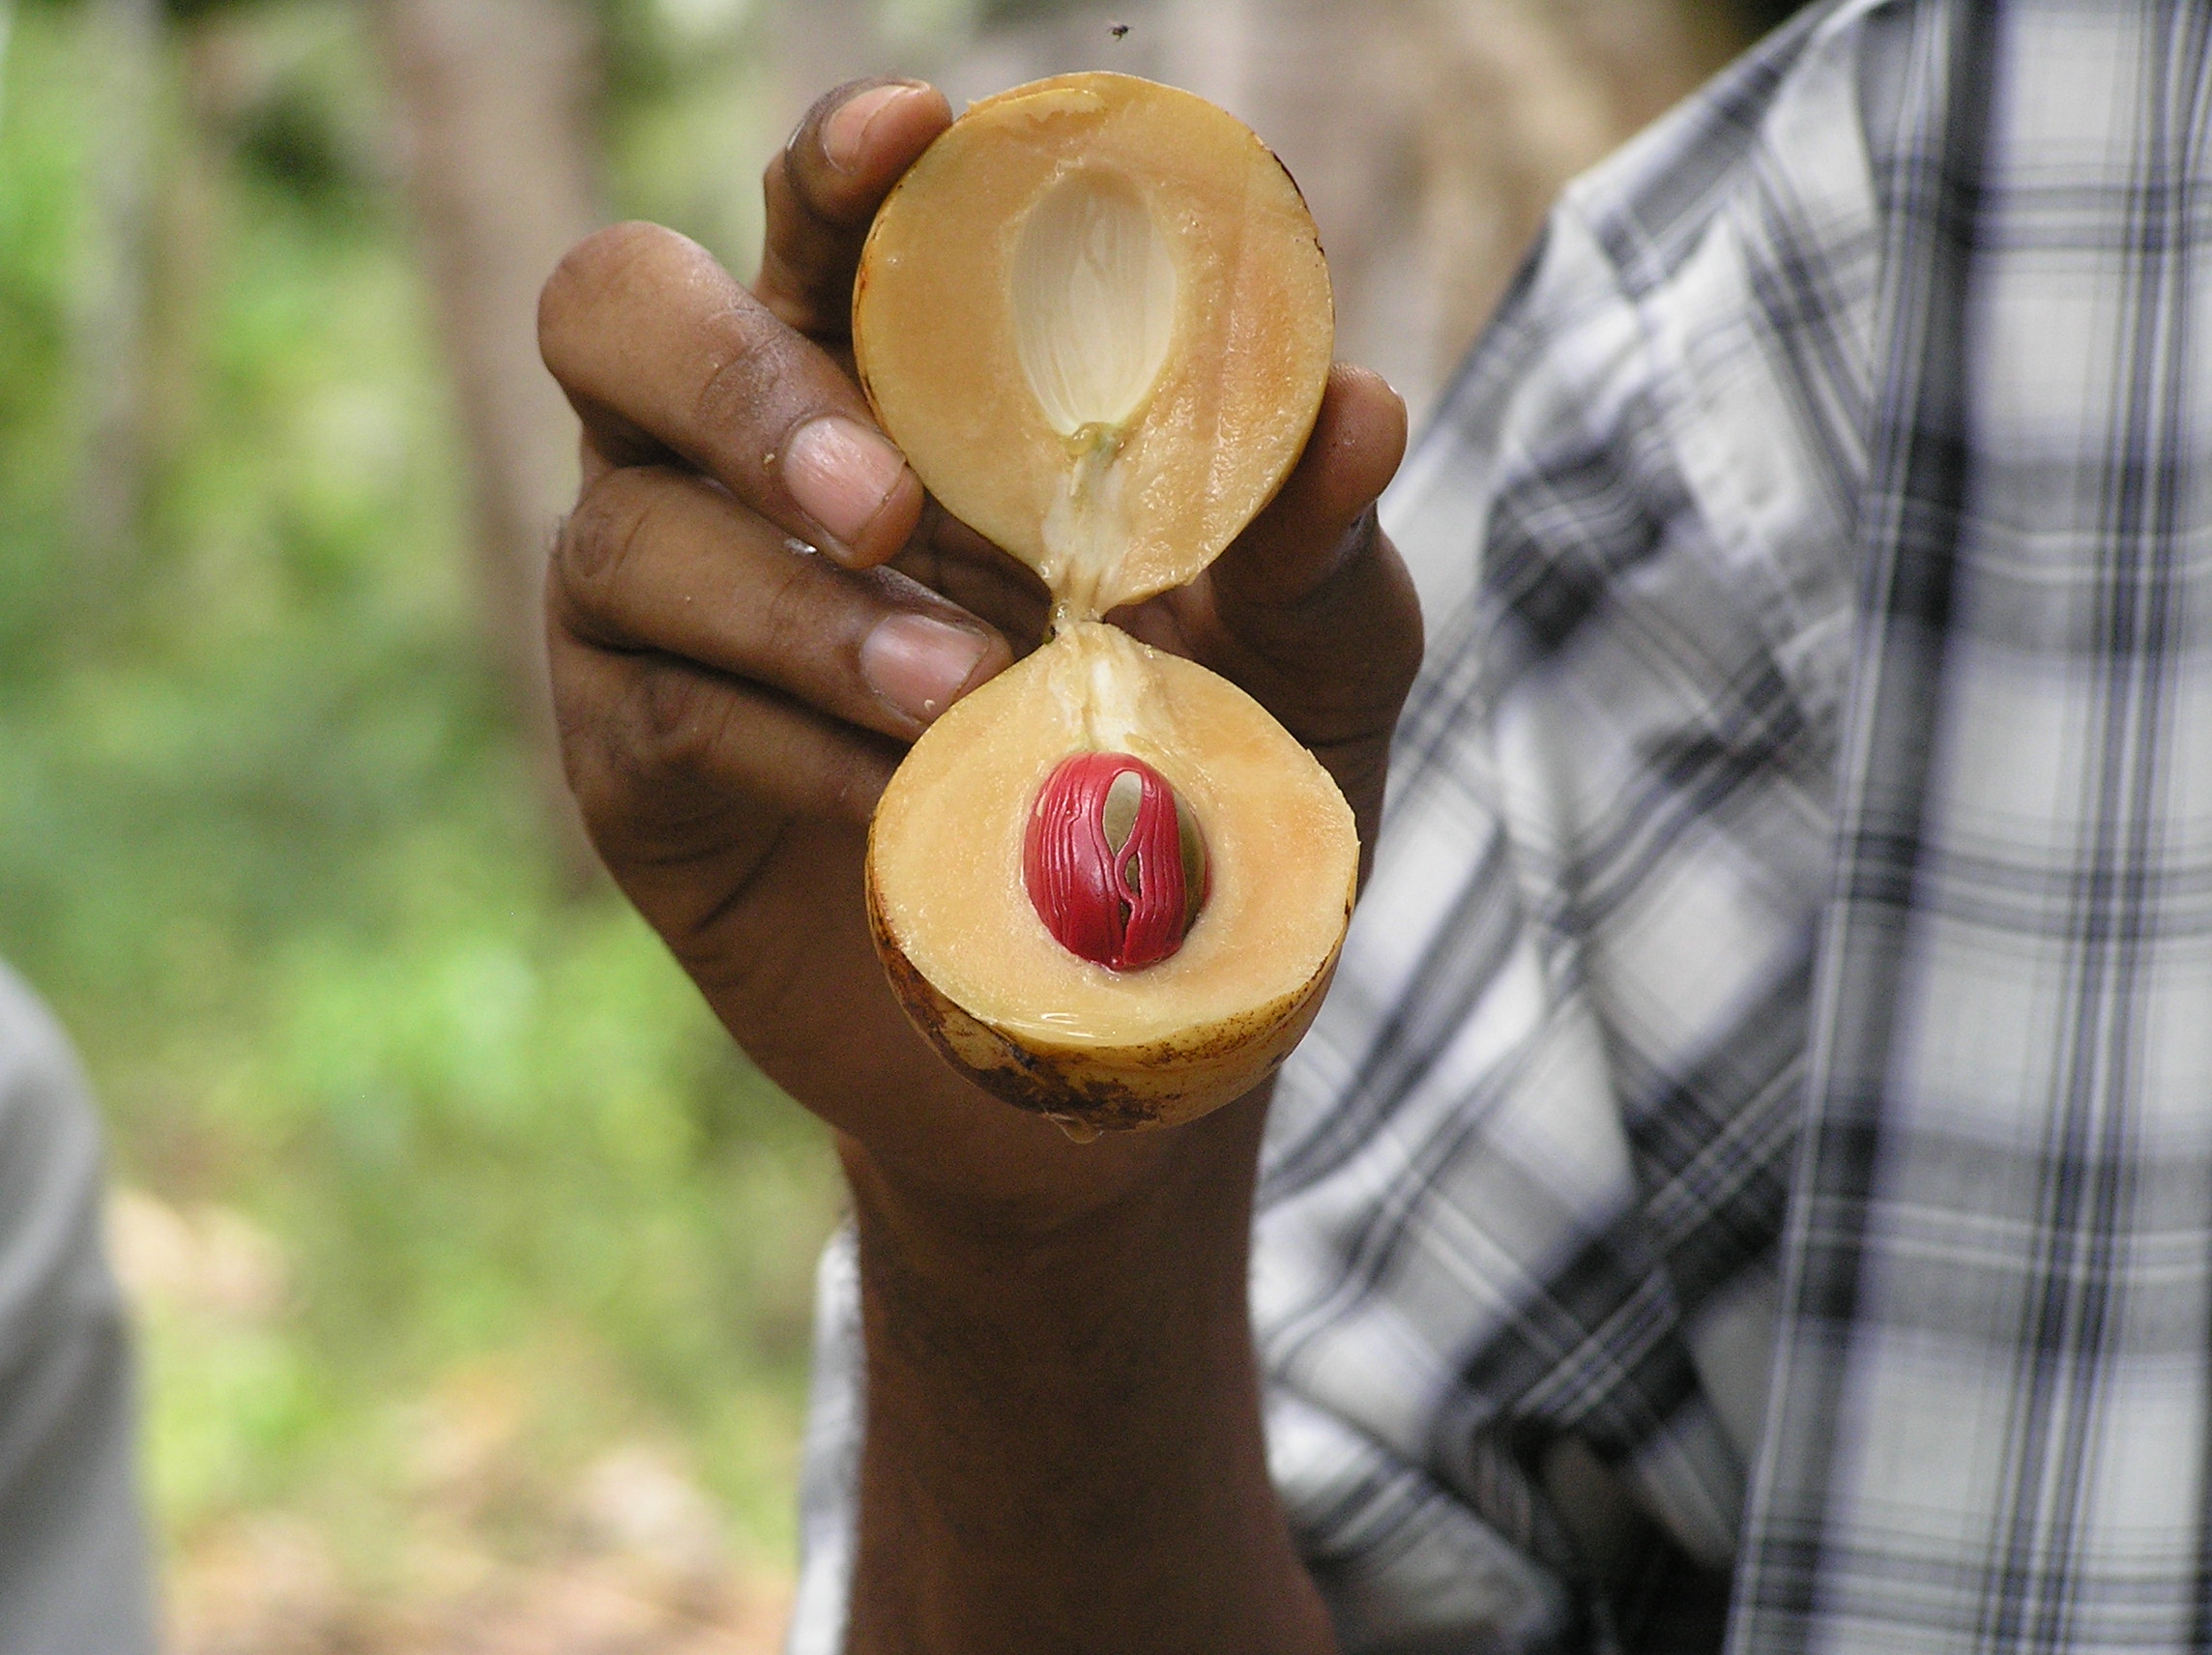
[
  {"x": 493, "y": 97},
  {"x": 6, "y": 28},
  {"x": 109, "y": 315}
]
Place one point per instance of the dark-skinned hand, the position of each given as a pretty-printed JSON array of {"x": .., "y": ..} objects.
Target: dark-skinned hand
[{"x": 754, "y": 608}]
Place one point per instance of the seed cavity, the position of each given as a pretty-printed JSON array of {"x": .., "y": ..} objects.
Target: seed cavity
[
  {"x": 1094, "y": 304},
  {"x": 1114, "y": 861}
]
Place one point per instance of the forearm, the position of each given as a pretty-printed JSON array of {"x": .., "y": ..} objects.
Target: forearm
[{"x": 1064, "y": 1448}]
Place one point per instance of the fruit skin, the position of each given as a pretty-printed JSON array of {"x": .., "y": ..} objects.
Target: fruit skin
[{"x": 1115, "y": 1089}]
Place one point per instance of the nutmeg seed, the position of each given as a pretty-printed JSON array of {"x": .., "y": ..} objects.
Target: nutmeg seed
[{"x": 1114, "y": 861}]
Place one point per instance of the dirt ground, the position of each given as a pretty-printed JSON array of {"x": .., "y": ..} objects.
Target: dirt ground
[{"x": 265, "y": 1589}]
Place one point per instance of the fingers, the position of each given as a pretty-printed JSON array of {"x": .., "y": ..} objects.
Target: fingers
[
  {"x": 664, "y": 356},
  {"x": 821, "y": 191},
  {"x": 1320, "y": 520},
  {"x": 663, "y": 562},
  {"x": 949, "y": 557},
  {"x": 672, "y": 761}
]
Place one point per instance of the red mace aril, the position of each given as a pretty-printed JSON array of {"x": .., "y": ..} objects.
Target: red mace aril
[{"x": 1114, "y": 861}]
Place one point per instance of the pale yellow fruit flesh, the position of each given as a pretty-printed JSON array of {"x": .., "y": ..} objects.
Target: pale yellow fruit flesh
[
  {"x": 946, "y": 889},
  {"x": 1102, "y": 253}
]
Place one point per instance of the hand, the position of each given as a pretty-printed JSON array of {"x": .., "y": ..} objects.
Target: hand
[{"x": 754, "y": 608}]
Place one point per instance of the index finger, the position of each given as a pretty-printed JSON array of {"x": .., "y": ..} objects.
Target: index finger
[
  {"x": 821, "y": 191},
  {"x": 663, "y": 356}
]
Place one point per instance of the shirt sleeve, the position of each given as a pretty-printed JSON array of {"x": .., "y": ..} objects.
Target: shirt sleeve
[
  {"x": 831, "y": 1467},
  {"x": 73, "y": 1560}
]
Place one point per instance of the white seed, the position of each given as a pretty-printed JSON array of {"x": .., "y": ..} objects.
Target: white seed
[
  {"x": 1094, "y": 301},
  {"x": 1119, "y": 815}
]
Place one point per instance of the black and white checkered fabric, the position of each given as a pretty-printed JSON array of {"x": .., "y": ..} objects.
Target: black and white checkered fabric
[{"x": 1762, "y": 1128}]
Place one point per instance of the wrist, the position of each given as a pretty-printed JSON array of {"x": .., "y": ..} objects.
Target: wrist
[
  {"x": 1017, "y": 1196},
  {"x": 969, "y": 1326},
  {"x": 1063, "y": 1417}
]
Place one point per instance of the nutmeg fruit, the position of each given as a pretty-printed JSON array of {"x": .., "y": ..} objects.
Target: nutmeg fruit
[{"x": 1107, "y": 885}]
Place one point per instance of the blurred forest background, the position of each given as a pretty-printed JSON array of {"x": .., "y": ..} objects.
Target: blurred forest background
[{"x": 473, "y": 1266}]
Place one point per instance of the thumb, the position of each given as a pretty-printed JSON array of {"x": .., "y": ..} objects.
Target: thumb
[
  {"x": 1316, "y": 522},
  {"x": 1314, "y": 612}
]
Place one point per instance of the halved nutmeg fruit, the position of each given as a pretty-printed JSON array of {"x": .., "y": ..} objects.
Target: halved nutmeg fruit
[{"x": 1107, "y": 885}]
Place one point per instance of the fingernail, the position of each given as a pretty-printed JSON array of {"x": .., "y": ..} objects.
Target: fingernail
[
  {"x": 846, "y": 132},
  {"x": 917, "y": 665},
  {"x": 840, "y": 473}
]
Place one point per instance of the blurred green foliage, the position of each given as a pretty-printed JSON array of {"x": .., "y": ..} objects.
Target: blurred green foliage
[{"x": 269, "y": 843}]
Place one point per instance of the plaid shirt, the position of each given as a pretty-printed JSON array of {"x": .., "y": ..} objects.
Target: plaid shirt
[{"x": 1759, "y": 1143}]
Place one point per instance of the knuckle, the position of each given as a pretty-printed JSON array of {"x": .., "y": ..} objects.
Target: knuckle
[
  {"x": 600, "y": 535},
  {"x": 640, "y": 741},
  {"x": 575, "y": 723},
  {"x": 587, "y": 273},
  {"x": 743, "y": 373},
  {"x": 603, "y": 788},
  {"x": 784, "y": 607},
  {"x": 679, "y": 718}
]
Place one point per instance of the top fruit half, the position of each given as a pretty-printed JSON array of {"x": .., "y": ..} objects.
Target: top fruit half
[{"x": 1095, "y": 316}]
